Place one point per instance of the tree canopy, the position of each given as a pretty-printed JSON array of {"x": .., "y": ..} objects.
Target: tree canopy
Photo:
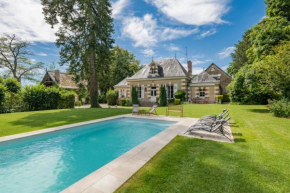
[
  {"x": 84, "y": 35},
  {"x": 14, "y": 54}
]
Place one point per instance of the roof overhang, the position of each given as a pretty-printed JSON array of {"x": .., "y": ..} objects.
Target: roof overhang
[
  {"x": 163, "y": 78},
  {"x": 204, "y": 84}
]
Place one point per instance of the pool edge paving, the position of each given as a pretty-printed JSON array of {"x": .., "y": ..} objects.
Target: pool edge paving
[{"x": 112, "y": 175}]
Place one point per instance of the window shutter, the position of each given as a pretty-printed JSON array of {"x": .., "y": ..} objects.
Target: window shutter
[
  {"x": 175, "y": 87},
  {"x": 142, "y": 91}
]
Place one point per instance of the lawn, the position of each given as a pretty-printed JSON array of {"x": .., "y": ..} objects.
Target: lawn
[
  {"x": 258, "y": 161},
  {"x": 30, "y": 121}
]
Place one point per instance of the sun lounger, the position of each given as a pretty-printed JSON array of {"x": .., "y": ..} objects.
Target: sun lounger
[
  {"x": 152, "y": 111},
  {"x": 135, "y": 109},
  {"x": 215, "y": 117},
  {"x": 212, "y": 128}
]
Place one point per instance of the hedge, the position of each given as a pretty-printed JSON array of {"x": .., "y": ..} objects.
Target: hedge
[
  {"x": 180, "y": 94},
  {"x": 39, "y": 97},
  {"x": 125, "y": 102}
]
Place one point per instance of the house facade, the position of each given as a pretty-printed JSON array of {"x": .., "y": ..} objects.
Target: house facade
[
  {"x": 63, "y": 80},
  {"x": 172, "y": 74}
]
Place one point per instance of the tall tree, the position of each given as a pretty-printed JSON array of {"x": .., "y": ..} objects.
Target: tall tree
[
  {"x": 122, "y": 64},
  {"x": 84, "y": 35},
  {"x": 14, "y": 57},
  {"x": 239, "y": 57},
  {"x": 278, "y": 8}
]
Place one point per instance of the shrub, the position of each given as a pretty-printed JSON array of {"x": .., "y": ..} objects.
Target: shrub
[
  {"x": 34, "y": 97},
  {"x": 112, "y": 97},
  {"x": 2, "y": 97},
  {"x": 134, "y": 96},
  {"x": 12, "y": 85},
  {"x": 52, "y": 95},
  {"x": 180, "y": 94},
  {"x": 170, "y": 101},
  {"x": 79, "y": 103},
  {"x": 280, "y": 108},
  {"x": 162, "y": 96},
  {"x": 177, "y": 101},
  {"x": 67, "y": 99},
  {"x": 102, "y": 98},
  {"x": 125, "y": 102},
  {"x": 226, "y": 98},
  {"x": 219, "y": 98}
]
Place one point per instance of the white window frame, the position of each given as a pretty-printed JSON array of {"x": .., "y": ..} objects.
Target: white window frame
[
  {"x": 170, "y": 91},
  {"x": 202, "y": 92}
]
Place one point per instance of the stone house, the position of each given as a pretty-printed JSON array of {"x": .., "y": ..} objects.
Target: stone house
[
  {"x": 172, "y": 74},
  {"x": 63, "y": 80}
]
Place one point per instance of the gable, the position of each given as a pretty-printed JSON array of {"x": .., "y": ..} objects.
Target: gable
[
  {"x": 213, "y": 69},
  {"x": 166, "y": 68}
]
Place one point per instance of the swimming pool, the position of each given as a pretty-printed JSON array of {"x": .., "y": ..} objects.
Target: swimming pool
[{"x": 53, "y": 161}]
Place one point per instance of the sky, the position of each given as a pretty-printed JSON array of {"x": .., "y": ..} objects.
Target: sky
[{"x": 150, "y": 29}]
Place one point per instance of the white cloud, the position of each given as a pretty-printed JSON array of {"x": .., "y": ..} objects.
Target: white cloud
[
  {"x": 140, "y": 30},
  {"x": 225, "y": 68},
  {"x": 118, "y": 7},
  {"x": 25, "y": 19},
  {"x": 207, "y": 33},
  {"x": 227, "y": 52},
  {"x": 148, "y": 52},
  {"x": 41, "y": 54},
  {"x": 172, "y": 47},
  {"x": 170, "y": 34},
  {"x": 193, "y": 12},
  {"x": 146, "y": 33}
]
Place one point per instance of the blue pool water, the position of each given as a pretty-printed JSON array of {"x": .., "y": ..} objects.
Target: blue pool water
[{"x": 51, "y": 162}]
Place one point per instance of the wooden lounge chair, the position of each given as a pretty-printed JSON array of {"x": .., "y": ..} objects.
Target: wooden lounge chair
[
  {"x": 152, "y": 111},
  {"x": 135, "y": 109}
]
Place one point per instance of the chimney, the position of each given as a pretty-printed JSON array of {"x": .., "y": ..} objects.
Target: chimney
[
  {"x": 189, "y": 68},
  {"x": 57, "y": 76}
]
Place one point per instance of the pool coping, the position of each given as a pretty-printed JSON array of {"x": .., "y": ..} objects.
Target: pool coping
[{"x": 112, "y": 175}]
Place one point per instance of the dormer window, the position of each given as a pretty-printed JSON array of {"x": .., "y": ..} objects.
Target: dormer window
[{"x": 153, "y": 72}]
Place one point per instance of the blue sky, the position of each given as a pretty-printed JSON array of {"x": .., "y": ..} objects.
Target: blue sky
[{"x": 150, "y": 28}]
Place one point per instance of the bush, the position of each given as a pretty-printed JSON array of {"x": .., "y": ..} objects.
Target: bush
[
  {"x": 162, "y": 96},
  {"x": 67, "y": 99},
  {"x": 39, "y": 97},
  {"x": 180, "y": 94},
  {"x": 177, "y": 101},
  {"x": 280, "y": 108},
  {"x": 134, "y": 96},
  {"x": 52, "y": 95},
  {"x": 219, "y": 98},
  {"x": 102, "y": 98},
  {"x": 34, "y": 97},
  {"x": 112, "y": 97},
  {"x": 226, "y": 98},
  {"x": 12, "y": 85},
  {"x": 125, "y": 102},
  {"x": 2, "y": 97}
]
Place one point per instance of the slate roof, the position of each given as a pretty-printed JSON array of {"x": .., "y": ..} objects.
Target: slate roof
[
  {"x": 66, "y": 80},
  {"x": 204, "y": 77},
  {"x": 122, "y": 83},
  {"x": 170, "y": 68}
]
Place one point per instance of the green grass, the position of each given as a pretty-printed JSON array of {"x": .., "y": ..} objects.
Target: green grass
[
  {"x": 258, "y": 161},
  {"x": 15, "y": 123}
]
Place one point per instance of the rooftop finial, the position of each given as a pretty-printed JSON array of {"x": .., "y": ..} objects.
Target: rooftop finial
[{"x": 186, "y": 53}]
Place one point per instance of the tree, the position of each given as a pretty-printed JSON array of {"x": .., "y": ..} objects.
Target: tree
[
  {"x": 134, "y": 96},
  {"x": 278, "y": 8},
  {"x": 84, "y": 36},
  {"x": 162, "y": 96},
  {"x": 239, "y": 56},
  {"x": 123, "y": 64},
  {"x": 14, "y": 56}
]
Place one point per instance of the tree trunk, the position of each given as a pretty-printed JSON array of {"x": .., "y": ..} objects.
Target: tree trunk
[{"x": 93, "y": 72}]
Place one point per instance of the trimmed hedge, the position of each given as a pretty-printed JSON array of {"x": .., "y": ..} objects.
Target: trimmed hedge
[
  {"x": 125, "y": 102},
  {"x": 39, "y": 97},
  {"x": 177, "y": 102}
]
